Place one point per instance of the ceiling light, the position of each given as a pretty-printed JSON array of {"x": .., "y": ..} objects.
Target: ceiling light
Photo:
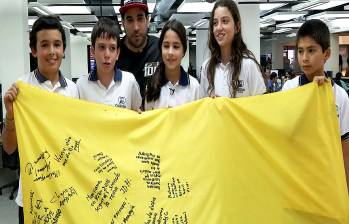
[
  {"x": 308, "y": 5},
  {"x": 85, "y": 28},
  {"x": 291, "y": 24},
  {"x": 284, "y": 16},
  {"x": 330, "y": 4},
  {"x": 283, "y": 30},
  {"x": 37, "y": 7},
  {"x": 31, "y": 21},
  {"x": 200, "y": 23},
  {"x": 67, "y": 25},
  {"x": 329, "y": 15},
  {"x": 69, "y": 9},
  {"x": 272, "y": 39},
  {"x": 291, "y": 35},
  {"x": 265, "y": 24},
  {"x": 338, "y": 25},
  {"x": 151, "y": 7},
  {"x": 195, "y": 7},
  {"x": 270, "y": 6}
]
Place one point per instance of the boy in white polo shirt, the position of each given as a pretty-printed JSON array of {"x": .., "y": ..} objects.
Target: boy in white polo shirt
[
  {"x": 313, "y": 50},
  {"x": 107, "y": 84},
  {"x": 47, "y": 43}
]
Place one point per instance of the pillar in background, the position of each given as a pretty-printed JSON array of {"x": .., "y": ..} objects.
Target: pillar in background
[{"x": 14, "y": 44}]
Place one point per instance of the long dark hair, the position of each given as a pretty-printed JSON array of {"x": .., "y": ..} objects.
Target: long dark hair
[
  {"x": 158, "y": 79},
  {"x": 238, "y": 49}
]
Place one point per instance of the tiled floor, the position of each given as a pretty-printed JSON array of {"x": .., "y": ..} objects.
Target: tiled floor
[{"x": 8, "y": 208}]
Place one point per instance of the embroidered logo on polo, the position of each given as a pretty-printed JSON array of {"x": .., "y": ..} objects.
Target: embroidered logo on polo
[
  {"x": 241, "y": 88},
  {"x": 121, "y": 102},
  {"x": 149, "y": 68}
]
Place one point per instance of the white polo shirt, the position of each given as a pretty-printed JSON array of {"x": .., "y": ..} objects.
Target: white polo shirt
[
  {"x": 64, "y": 87},
  {"x": 342, "y": 102},
  {"x": 186, "y": 90},
  {"x": 250, "y": 81},
  {"x": 123, "y": 90}
]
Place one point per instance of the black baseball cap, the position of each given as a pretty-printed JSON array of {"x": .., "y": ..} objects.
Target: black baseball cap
[{"x": 127, "y": 4}]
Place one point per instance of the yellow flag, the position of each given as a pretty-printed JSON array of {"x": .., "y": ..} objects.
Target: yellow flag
[{"x": 273, "y": 159}]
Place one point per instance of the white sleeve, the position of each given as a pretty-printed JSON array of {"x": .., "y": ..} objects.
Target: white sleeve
[
  {"x": 197, "y": 91},
  {"x": 136, "y": 95},
  {"x": 344, "y": 116},
  {"x": 256, "y": 82},
  {"x": 203, "y": 80},
  {"x": 76, "y": 93},
  {"x": 286, "y": 85},
  {"x": 80, "y": 89},
  {"x": 72, "y": 88}
]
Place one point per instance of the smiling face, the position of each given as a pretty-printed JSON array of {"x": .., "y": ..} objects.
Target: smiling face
[
  {"x": 49, "y": 51},
  {"x": 172, "y": 50},
  {"x": 106, "y": 52},
  {"x": 224, "y": 27},
  {"x": 311, "y": 57}
]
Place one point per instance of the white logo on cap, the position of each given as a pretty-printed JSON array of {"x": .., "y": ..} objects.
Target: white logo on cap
[{"x": 132, "y": 1}]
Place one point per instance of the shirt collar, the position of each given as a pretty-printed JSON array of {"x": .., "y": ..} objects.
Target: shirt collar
[
  {"x": 184, "y": 79},
  {"x": 303, "y": 80},
  {"x": 43, "y": 79},
  {"x": 117, "y": 75}
]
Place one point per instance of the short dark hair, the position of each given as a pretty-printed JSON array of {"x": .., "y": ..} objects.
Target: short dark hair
[
  {"x": 273, "y": 75},
  {"x": 338, "y": 75},
  {"x": 317, "y": 30},
  {"x": 105, "y": 27},
  {"x": 49, "y": 22}
]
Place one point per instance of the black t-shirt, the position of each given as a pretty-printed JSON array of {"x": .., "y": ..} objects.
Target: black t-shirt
[{"x": 142, "y": 65}]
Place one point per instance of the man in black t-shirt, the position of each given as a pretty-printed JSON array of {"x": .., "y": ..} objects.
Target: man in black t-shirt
[{"x": 139, "y": 52}]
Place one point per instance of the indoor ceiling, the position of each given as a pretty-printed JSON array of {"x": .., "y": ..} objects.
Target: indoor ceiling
[{"x": 276, "y": 16}]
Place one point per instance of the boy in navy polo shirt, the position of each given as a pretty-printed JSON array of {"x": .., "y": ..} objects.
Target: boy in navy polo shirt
[
  {"x": 313, "y": 50},
  {"x": 106, "y": 83}
]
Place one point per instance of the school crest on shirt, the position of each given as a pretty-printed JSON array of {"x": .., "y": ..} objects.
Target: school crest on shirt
[
  {"x": 240, "y": 85},
  {"x": 121, "y": 102},
  {"x": 149, "y": 68}
]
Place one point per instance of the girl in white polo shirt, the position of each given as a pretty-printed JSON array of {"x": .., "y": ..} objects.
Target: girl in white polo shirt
[
  {"x": 231, "y": 70},
  {"x": 47, "y": 43},
  {"x": 171, "y": 85}
]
